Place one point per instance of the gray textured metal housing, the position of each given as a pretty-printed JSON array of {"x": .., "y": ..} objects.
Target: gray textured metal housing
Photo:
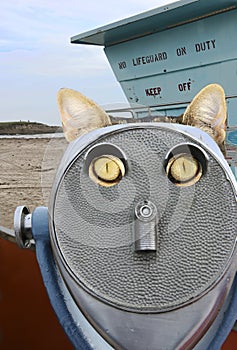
[{"x": 91, "y": 226}]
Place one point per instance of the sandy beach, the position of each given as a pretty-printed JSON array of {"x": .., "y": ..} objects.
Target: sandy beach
[
  {"x": 26, "y": 173},
  {"x": 27, "y": 320}
]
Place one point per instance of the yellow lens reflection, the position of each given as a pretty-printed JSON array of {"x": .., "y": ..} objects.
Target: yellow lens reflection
[
  {"x": 106, "y": 170},
  {"x": 184, "y": 170}
]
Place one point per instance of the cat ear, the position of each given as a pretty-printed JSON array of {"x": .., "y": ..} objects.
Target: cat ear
[
  {"x": 79, "y": 115},
  {"x": 208, "y": 112}
]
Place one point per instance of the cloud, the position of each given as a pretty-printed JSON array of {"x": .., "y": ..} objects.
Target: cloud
[
  {"x": 36, "y": 57},
  {"x": 32, "y": 21}
]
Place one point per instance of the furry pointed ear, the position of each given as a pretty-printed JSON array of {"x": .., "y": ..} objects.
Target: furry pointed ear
[
  {"x": 208, "y": 112},
  {"x": 79, "y": 115}
]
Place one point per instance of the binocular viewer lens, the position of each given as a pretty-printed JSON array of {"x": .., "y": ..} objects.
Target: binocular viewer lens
[
  {"x": 106, "y": 170},
  {"x": 185, "y": 164}
]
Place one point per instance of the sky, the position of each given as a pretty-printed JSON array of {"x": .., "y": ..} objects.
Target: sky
[{"x": 37, "y": 58}]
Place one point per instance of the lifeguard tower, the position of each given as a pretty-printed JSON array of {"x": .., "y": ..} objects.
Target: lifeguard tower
[{"x": 163, "y": 57}]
